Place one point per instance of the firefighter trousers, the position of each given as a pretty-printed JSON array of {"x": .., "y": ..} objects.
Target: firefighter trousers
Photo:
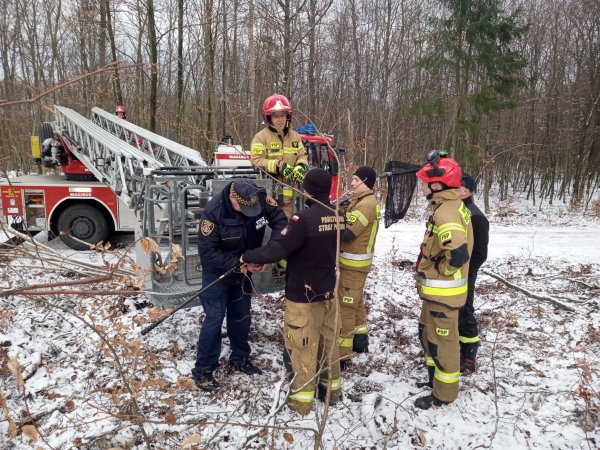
[
  {"x": 309, "y": 332},
  {"x": 438, "y": 331},
  {"x": 352, "y": 309}
]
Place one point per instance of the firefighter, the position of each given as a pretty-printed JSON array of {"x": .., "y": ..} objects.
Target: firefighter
[
  {"x": 311, "y": 318},
  {"x": 121, "y": 112},
  {"x": 232, "y": 222},
  {"x": 52, "y": 152},
  {"x": 467, "y": 323},
  {"x": 441, "y": 276},
  {"x": 278, "y": 150},
  {"x": 358, "y": 242}
]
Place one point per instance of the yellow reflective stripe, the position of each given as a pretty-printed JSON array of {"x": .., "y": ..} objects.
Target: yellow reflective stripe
[
  {"x": 290, "y": 150},
  {"x": 467, "y": 340},
  {"x": 287, "y": 192},
  {"x": 360, "y": 216},
  {"x": 447, "y": 377},
  {"x": 303, "y": 396},
  {"x": 450, "y": 226},
  {"x": 444, "y": 292},
  {"x": 355, "y": 263},
  {"x": 336, "y": 383},
  {"x": 361, "y": 329},
  {"x": 345, "y": 342},
  {"x": 272, "y": 166},
  {"x": 429, "y": 361},
  {"x": 275, "y": 152},
  {"x": 373, "y": 235}
]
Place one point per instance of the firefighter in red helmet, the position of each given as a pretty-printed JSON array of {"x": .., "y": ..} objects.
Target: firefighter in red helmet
[
  {"x": 441, "y": 275},
  {"x": 278, "y": 150},
  {"x": 121, "y": 112}
]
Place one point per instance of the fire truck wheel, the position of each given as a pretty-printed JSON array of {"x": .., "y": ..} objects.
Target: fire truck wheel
[{"x": 83, "y": 222}]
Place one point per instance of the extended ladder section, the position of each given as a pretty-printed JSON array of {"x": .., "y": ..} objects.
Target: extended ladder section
[
  {"x": 163, "y": 150},
  {"x": 112, "y": 160}
]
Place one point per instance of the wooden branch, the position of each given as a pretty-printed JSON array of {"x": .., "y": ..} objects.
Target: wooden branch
[
  {"x": 90, "y": 293},
  {"x": 111, "y": 66},
  {"x": 528, "y": 293}
]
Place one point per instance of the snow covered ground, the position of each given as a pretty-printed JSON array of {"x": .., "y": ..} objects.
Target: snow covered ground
[{"x": 89, "y": 380}]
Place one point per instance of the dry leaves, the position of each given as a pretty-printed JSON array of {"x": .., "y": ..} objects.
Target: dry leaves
[
  {"x": 149, "y": 245},
  {"x": 31, "y": 432},
  {"x": 189, "y": 441},
  {"x": 15, "y": 368}
]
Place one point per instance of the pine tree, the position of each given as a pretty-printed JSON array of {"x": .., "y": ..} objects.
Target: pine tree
[{"x": 472, "y": 45}]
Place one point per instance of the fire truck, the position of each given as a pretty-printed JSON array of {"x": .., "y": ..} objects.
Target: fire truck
[{"x": 117, "y": 176}]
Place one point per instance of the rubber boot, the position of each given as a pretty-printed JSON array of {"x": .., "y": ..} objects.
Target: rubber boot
[
  {"x": 334, "y": 397},
  {"x": 428, "y": 401},
  {"x": 468, "y": 356},
  {"x": 360, "y": 344},
  {"x": 429, "y": 382}
]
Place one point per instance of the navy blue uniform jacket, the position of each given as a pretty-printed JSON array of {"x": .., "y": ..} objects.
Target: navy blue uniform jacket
[{"x": 226, "y": 234}]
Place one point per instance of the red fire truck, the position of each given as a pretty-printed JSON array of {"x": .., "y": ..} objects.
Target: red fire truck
[{"x": 90, "y": 210}]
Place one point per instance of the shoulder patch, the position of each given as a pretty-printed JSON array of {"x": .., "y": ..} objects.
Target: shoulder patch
[
  {"x": 295, "y": 144},
  {"x": 271, "y": 201},
  {"x": 207, "y": 227},
  {"x": 295, "y": 218},
  {"x": 446, "y": 238}
]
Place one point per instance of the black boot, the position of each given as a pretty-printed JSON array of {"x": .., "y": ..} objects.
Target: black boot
[
  {"x": 468, "y": 355},
  {"x": 333, "y": 398},
  {"x": 429, "y": 382},
  {"x": 245, "y": 366},
  {"x": 360, "y": 343},
  {"x": 205, "y": 380},
  {"x": 428, "y": 401}
]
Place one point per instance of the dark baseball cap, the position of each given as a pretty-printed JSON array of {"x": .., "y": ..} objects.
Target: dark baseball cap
[{"x": 246, "y": 194}]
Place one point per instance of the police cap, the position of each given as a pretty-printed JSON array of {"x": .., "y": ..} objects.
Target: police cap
[{"x": 246, "y": 194}]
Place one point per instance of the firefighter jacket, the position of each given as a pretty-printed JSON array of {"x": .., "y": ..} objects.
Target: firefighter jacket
[
  {"x": 362, "y": 219},
  {"x": 309, "y": 242},
  {"x": 269, "y": 149},
  {"x": 225, "y": 233},
  {"x": 442, "y": 270},
  {"x": 481, "y": 236}
]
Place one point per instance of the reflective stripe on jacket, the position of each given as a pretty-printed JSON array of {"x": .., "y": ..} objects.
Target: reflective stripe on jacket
[
  {"x": 362, "y": 218},
  {"x": 268, "y": 148},
  {"x": 447, "y": 246}
]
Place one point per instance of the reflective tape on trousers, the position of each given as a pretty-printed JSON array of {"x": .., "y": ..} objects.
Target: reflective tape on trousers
[{"x": 443, "y": 283}]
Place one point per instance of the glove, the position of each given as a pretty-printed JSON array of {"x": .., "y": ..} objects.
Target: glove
[
  {"x": 299, "y": 172},
  {"x": 286, "y": 170}
]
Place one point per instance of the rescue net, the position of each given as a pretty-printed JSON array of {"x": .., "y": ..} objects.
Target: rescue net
[{"x": 401, "y": 181}]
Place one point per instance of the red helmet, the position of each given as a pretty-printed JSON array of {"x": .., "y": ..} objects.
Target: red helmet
[
  {"x": 442, "y": 169},
  {"x": 276, "y": 103},
  {"x": 120, "y": 109}
]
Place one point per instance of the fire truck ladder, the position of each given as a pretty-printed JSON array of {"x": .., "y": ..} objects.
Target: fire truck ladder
[
  {"x": 163, "y": 150},
  {"x": 112, "y": 160}
]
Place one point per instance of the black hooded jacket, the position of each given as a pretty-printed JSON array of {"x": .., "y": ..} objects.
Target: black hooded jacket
[{"x": 309, "y": 243}]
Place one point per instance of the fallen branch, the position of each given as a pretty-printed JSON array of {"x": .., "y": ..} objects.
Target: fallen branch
[{"x": 528, "y": 293}]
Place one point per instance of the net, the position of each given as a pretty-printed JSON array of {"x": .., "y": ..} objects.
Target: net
[{"x": 401, "y": 186}]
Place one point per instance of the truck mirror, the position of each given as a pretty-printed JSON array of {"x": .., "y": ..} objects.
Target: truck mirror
[{"x": 341, "y": 151}]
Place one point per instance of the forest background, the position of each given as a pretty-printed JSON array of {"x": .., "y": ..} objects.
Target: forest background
[{"x": 511, "y": 88}]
